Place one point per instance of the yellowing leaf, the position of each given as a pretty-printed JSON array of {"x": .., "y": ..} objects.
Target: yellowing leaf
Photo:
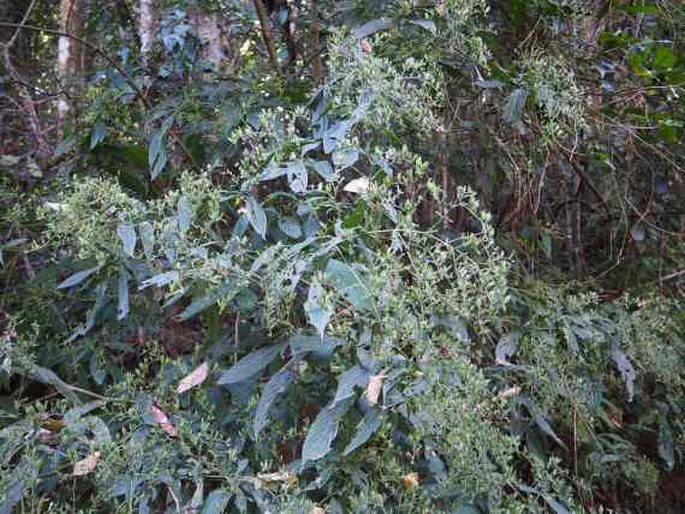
[
  {"x": 195, "y": 378},
  {"x": 85, "y": 466},
  {"x": 160, "y": 417},
  {"x": 410, "y": 480}
]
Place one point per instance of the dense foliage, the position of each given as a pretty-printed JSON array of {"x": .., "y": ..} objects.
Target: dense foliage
[{"x": 343, "y": 256}]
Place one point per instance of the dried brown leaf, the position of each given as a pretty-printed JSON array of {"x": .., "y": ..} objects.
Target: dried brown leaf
[
  {"x": 85, "y": 466},
  {"x": 195, "y": 378},
  {"x": 358, "y": 185},
  {"x": 160, "y": 417},
  {"x": 374, "y": 388}
]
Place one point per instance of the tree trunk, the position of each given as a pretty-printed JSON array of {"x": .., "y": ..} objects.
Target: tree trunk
[
  {"x": 315, "y": 44},
  {"x": 70, "y": 54},
  {"x": 146, "y": 33},
  {"x": 208, "y": 30}
]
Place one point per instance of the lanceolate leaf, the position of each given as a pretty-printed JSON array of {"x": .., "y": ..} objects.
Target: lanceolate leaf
[
  {"x": 356, "y": 376},
  {"x": 256, "y": 216},
  {"x": 147, "y": 237},
  {"x": 123, "y": 306},
  {"x": 373, "y": 26},
  {"x": 127, "y": 234},
  {"x": 251, "y": 365},
  {"x": 317, "y": 312},
  {"x": 160, "y": 280},
  {"x": 225, "y": 291},
  {"x": 666, "y": 451},
  {"x": 275, "y": 387},
  {"x": 513, "y": 109},
  {"x": 323, "y": 431},
  {"x": 216, "y": 502},
  {"x": 625, "y": 368},
  {"x": 185, "y": 214},
  {"x": 195, "y": 378},
  {"x": 366, "y": 428},
  {"x": 78, "y": 277},
  {"x": 318, "y": 347}
]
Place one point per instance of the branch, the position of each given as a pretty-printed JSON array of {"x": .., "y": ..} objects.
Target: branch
[
  {"x": 263, "y": 21},
  {"x": 91, "y": 46}
]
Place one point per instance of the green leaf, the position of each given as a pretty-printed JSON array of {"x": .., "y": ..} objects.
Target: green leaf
[
  {"x": 371, "y": 27},
  {"x": 185, "y": 214},
  {"x": 147, "y": 237},
  {"x": 666, "y": 444},
  {"x": 216, "y": 502},
  {"x": 556, "y": 506},
  {"x": 290, "y": 227},
  {"x": 335, "y": 134},
  {"x": 127, "y": 234},
  {"x": 250, "y": 365},
  {"x": 344, "y": 158},
  {"x": 429, "y": 25},
  {"x": 506, "y": 347},
  {"x": 123, "y": 306},
  {"x": 325, "y": 170},
  {"x": 275, "y": 387},
  {"x": 225, "y": 291},
  {"x": 256, "y": 216},
  {"x": 10, "y": 244},
  {"x": 453, "y": 323},
  {"x": 348, "y": 283},
  {"x": 157, "y": 154},
  {"x": 323, "y": 431},
  {"x": 626, "y": 369},
  {"x": 298, "y": 177},
  {"x": 76, "y": 413},
  {"x": 513, "y": 108},
  {"x": 366, "y": 428},
  {"x": 317, "y": 312},
  {"x": 664, "y": 59},
  {"x": 356, "y": 376},
  {"x": 78, "y": 277},
  {"x": 97, "y": 135},
  {"x": 319, "y": 348},
  {"x": 160, "y": 279}
]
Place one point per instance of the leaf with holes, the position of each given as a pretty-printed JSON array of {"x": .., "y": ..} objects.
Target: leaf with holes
[{"x": 318, "y": 313}]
